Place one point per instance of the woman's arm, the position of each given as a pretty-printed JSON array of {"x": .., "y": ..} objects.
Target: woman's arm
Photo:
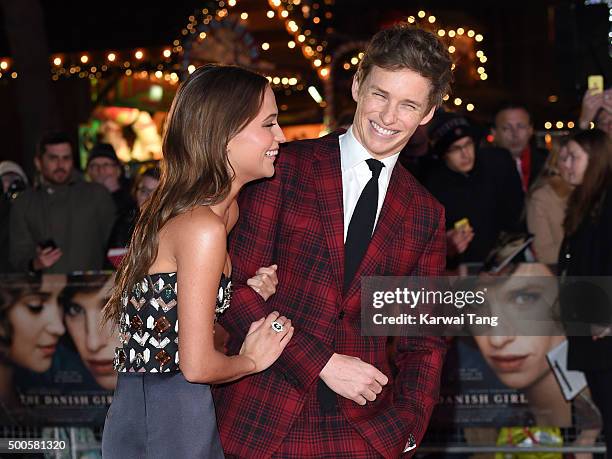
[{"x": 200, "y": 251}]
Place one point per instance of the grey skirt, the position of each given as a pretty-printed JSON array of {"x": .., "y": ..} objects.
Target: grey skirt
[{"x": 157, "y": 415}]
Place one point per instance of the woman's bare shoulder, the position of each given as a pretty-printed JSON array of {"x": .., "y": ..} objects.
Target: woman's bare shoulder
[
  {"x": 191, "y": 234},
  {"x": 197, "y": 224}
]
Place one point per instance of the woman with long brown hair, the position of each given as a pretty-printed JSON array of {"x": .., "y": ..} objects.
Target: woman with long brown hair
[
  {"x": 587, "y": 251},
  {"x": 221, "y": 133},
  {"x": 545, "y": 206}
]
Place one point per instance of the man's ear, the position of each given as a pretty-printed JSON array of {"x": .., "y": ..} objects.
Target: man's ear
[
  {"x": 427, "y": 118},
  {"x": 355, "y": 87},
  {"x": 37, "y": 163}
]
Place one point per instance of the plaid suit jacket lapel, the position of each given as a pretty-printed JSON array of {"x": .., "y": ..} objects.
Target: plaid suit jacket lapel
[
  {"x": 391, "y": 218},
  {"x": 328, "y": 184}
]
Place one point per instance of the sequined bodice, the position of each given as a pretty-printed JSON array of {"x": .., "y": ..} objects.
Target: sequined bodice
[{"x": 148, "y": 328}]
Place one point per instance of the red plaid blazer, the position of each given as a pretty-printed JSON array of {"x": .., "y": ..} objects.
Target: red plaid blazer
[{"x": 296, "y": 220}]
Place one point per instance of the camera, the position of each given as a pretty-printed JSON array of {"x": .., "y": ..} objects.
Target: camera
[{"x": 16, "y": 187}]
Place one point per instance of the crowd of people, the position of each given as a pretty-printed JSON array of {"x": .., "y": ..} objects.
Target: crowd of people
[
  {"x": 343, "y": 192},
  {"x": 67, "y": 221}
]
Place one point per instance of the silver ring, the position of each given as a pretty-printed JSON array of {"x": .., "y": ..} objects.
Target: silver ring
[{"x": 277, "y": 326}]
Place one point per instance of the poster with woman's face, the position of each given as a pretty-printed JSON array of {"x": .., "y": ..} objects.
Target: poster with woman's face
[
  {"x": 504, "y": 378},
  {"x": 57, "y": 356},
  {"x": 94, "y": 341}
]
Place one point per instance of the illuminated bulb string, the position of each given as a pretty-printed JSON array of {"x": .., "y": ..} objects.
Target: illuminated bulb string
[
  {"x": 167, "y": 60},
  {"x": 428, "y": 21},
  {"x": 609, "y": 3}
]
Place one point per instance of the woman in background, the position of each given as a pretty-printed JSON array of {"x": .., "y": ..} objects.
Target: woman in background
[
  {"x": 546, "y": 204},
  {"x": 144, "y": 185},
  {"x": 587, "y": 251}
]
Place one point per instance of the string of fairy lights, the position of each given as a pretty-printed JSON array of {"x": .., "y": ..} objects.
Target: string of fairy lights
[
  {"x": 165, "y": 63},
  {"x": 155, "y": 63},
  {"x": 307, "y": 24}
]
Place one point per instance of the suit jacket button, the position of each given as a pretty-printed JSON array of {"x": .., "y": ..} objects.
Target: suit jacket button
[{"x": 341, "y": 315}]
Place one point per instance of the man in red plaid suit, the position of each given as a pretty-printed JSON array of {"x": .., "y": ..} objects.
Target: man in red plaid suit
[{"x": 332, "y": 392}]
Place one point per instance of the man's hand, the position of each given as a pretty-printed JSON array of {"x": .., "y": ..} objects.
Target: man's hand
[
  {"x": 353, "y": 378},
  {"x": 458, "y": 241},
  {"x": 45, "y": 258}
]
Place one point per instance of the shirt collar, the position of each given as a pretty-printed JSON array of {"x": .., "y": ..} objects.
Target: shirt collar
[{"x": 353, "y": 153}]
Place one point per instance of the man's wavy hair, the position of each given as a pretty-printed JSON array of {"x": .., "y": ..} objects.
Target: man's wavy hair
[{"x": 407, "y": 47}]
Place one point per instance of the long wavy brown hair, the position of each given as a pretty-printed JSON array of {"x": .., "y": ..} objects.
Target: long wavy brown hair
[
  {"x": 213, "y": 105},
  {"x": 585, "y": 200}
]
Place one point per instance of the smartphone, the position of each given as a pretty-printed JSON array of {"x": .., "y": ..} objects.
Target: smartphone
[
  {"x": 49, "y": 243},
  {"x": 463, "y": 224},
  {"x": 595, "y": 83}
]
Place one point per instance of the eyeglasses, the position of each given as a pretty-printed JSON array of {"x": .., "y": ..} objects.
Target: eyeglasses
[
  {"x": 99, "y": 166},
  {"x": 144, "y": 190},
  {"x": 459, "y": 148}
]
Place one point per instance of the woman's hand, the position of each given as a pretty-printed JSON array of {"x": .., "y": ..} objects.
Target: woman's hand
[
  {"x": 265, "y": 281},
  {"x": 262, "y": 344}
]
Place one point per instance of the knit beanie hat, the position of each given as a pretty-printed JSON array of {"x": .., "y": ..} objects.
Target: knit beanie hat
[{"x": 445, "y": 129}]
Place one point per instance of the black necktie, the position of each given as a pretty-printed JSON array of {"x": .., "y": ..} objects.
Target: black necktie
[
  {"x": 362, "y": 224},
  {"x": 357, "y": 241}
]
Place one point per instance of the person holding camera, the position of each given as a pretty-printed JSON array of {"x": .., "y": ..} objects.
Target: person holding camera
[
  {"x": 13, "y": 181},
  {"x": 63, "y": 223}
]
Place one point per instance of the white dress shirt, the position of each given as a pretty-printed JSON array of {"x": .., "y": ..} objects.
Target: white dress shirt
[{"x": 356, "y": 174}]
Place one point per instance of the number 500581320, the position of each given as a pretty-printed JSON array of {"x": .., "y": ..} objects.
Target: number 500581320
[{"x": 17, "y": 444}]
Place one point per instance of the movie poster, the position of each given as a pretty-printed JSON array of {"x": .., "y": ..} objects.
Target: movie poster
[
  {"x": 57, "y": 360},
  {"x": 510, "y": 382}
]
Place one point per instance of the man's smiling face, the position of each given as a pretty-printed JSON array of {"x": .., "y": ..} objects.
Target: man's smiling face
[{"x": 391, "y": 104}]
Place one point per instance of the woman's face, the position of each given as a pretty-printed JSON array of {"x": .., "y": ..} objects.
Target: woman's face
[
  {"x": 577, "y": 162},
  {"x": 37, "y": 325},
  {"x": 520, "y": 361},
  {"x": 145, "y": 188},
  {"x": 563, "y": 163},
  {"x": 96, "y": 345},
  {"x": 253, "y": 150}
]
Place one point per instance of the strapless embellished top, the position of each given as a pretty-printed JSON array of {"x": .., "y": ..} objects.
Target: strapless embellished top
[{"x": 148, "y": 328}]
